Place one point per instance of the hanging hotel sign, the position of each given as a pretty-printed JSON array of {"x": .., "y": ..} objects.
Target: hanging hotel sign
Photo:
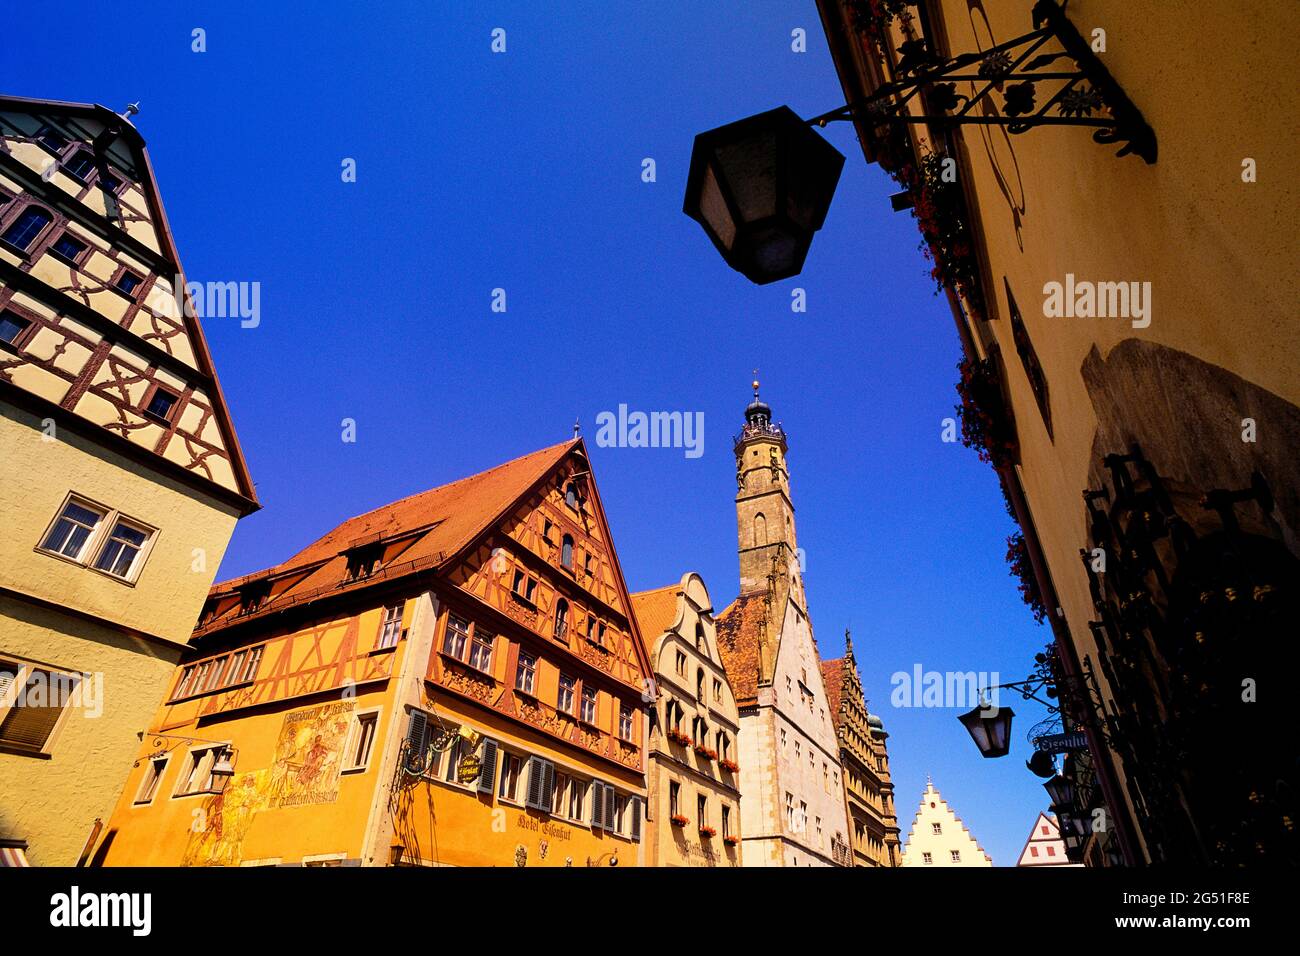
[
  {"x": 469, "y": 769},
  {"x": 1061, "y": 743}
]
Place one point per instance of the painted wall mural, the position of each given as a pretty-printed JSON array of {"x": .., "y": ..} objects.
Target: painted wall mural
[{"x": 308, "y": 756}]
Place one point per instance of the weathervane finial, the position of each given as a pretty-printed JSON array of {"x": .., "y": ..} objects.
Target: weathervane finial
[
  {"x": 755, "y": 384},
  {"x": 577, "y": 427}
]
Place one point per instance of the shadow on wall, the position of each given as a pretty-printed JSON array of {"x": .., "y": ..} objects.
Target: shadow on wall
[{"x": 1189, "y": 417}]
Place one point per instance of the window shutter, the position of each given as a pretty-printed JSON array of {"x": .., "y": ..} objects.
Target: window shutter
[
  {"x": 597, "y": 804},
  {"x": 635, "y": 810},
  {"x": 417, "y": 739},
  {"x": 488, "y": 775},
  {"x": 548, "y": 785},
  {"x": 535, "y": 773},
  {"x": 29, "y": 726},
  {"x": 610, "y": 823}
]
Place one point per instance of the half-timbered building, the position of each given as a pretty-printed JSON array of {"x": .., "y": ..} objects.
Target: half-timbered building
[
  {"x": 121, "y": 477},
  {"x": 453, "y": 679}
]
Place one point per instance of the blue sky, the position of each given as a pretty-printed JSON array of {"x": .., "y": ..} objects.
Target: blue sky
[{"x": 522, "y": 171}]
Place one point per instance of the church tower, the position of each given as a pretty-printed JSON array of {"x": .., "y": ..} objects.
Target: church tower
[{"x": 769, "y": 556}]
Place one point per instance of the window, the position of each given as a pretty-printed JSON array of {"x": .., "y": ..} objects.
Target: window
[
  {"x": 480, "y": 651},
  {"x": 80, "y": 165},
  {"x": 561, "y": 619},
  {"x": 363, "y": 559},
  {"x": 11, "y": 326},
  {"x": 22, "y": 232},
  {"x": 702, "y": 810},
  {"x": 723, "y": 746},
  {"x": 453, "y": 641},
  {"x": 956, "y": 856},
  {"x": 198, "y": 776},
  {"x": 926, "y": 859},
  {"x": 32, "y": 700},
  {"x": 152, "y": 777},
  {"x": 122, "y": 551},
  {"x": 526, "y": 673},
  {"x": 511, "y": 767},
  {"x": 588, "y": 714},
  {"x": 681, "y": 664},
  {"x": 390, "y": 629},
  {"x": 67, "y": 248},
  {"x": 1033, "y": 851},
  {"x": 566, "y": 551},
  {"x": 674, "y": 798},
  {"x": 571, "y": 495},
  {"x": 564, "y": 699},
  {"x": 789, "y": 810},
  {"x": 587, "y": 563},
  {"x": 109, "y": 183},
  {"x": 717, "y": 689},
  {"x": 1029, "y": 360},
  {"x": 569, "y": 796},
  {"x": 127, "y": 282},
  {"x": 625, "y": 722},
  {"x": 161, "y": 404},
  {"x": 72, "y": 530},
  {"x": 363, "y": 739},
  {"x": 726, "y": 821},
  {"x": 699, "y": 636},
  {"x": 699, "y": 685},
  {"x": 254, "y": 659},
  {"x": 938, "y": 828},
  {"x": 52, "y": 139}
]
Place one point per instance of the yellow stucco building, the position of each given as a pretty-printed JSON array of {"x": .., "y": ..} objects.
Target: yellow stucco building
[
  {"x": 456, "y": 678},
  {"x": 693, "y": 777},
  {"x": 1125, "y": 300},
  {"x": 120, "y": 475}
]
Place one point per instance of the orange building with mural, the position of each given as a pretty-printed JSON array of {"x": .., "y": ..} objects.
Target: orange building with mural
[{"x": 452, "y": 679}]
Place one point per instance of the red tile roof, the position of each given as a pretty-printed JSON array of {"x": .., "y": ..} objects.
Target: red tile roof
[
  {"x": 833, "y": 678},
  {"x": 656, "y": 611},
  {"x": 433, "y": 527},
  {"x": 738, "y": 634}
]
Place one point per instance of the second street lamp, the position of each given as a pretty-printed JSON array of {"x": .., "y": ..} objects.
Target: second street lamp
[{"x": 990, "y": 728}]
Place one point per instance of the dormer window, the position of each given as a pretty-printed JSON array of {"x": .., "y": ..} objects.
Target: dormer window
[
  {"x": 363, "y": 560},
  {"x": 253, "y": 596}
]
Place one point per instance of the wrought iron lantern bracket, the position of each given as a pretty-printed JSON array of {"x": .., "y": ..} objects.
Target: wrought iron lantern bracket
[{"x": 1087, "y": 95}]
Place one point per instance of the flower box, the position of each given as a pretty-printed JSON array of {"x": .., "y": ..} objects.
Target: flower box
[
  {"x": 731, "y": 840},
  {"x": 706, "y": 832},
  {"x": 679, "y": 820},
  {"x": 705, "y": 752},
  {"x": 729, "y": 765},
  {"x": 677, "y": 737}
]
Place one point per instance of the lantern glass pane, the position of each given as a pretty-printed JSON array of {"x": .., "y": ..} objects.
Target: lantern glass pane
[
  {"x": 749, "y": 167},
  {"x": 715, "y": 211}
]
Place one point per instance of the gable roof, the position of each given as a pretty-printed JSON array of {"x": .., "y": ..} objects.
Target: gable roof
[
  {"x": 432, "y": 528},
  {"x": 244, "y": 491},
  {"x": 738, "y": 629},
  {"x": 656, "y": 610}
]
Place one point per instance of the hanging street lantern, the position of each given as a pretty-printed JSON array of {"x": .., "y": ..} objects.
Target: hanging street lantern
[
  {"x": 1061, "y": 791},
  {"x": 761, "y": 187},
  {"x": 990, "y": 728}
]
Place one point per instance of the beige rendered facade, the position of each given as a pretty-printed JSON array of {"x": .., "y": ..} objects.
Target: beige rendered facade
[
  {"x": 693, "y": 815},
  {"x": 792, "y": 801},
  {"x": 120, "y": 476},
  {"x": 1131, "y": 324},
  {"x": 939, "y": 838}
]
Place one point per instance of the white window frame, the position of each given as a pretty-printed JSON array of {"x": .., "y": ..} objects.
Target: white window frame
[
  {"x": 21, "y": 675},
  {"x": 390, "y": 626},
  {"x": 193, "y": 764},
  {"x": 354, "y": 731},
  {"x": 520, "y": 776},
  {"x": 531, "y": 689},
  {"x": 93, "y": 548},
  {"x": 156, "y": 779}
]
